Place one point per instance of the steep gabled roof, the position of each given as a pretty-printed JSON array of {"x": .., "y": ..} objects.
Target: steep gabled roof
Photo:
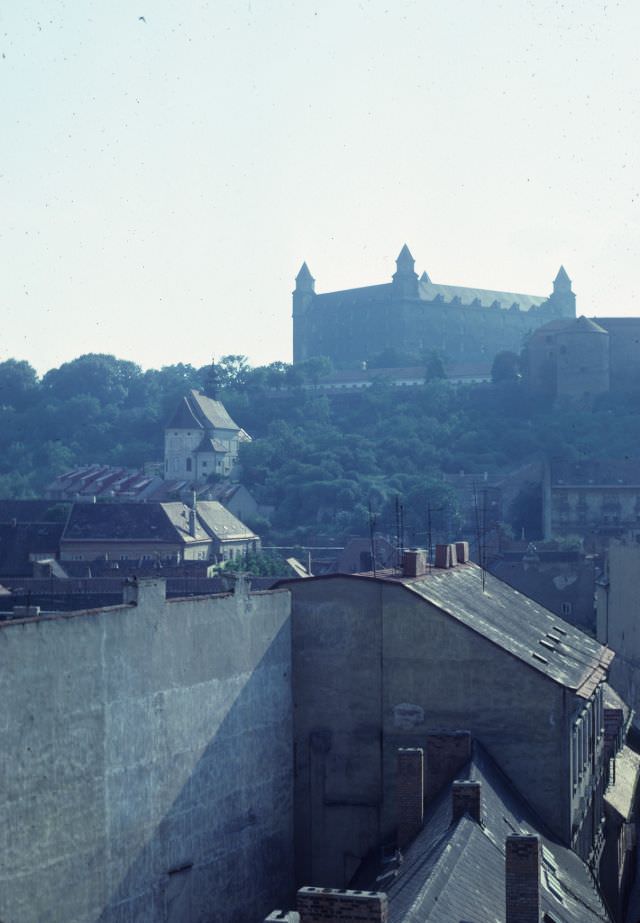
[
  {"x": 517, "y": 624},
  {"x": 222, "y": 524},
  {"x": 119, "y": 522},
  {"x": 197, "y": 411},
  {"x": 456, "y": 871}
]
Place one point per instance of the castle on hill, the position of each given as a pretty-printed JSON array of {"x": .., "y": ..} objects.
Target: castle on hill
[{"x": 414, "y": 315}]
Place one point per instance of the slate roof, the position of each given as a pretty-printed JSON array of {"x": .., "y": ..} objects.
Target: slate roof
[
  {"x": 196, "y": 410},
  {"x": 454, "y": 872},
  {"x": 609, "y": 472},
  {"x": 517, "y": 624},
  {"x": 24, "y": 539},
  {"x": 209, "y": 445},
  {"x": 511, "y": 621},
  {"x": 222, "y": 524},
  {"x": 120, "y": 521}
]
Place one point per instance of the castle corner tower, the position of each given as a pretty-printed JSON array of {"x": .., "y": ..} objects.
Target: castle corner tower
[{"x": 303, "y": 296}]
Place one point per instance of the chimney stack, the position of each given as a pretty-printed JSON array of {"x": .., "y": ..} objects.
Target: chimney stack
[
  {"x": 466, "y": 798},
  {"x": 447, "y": 752},
  {"x": 446, "y": 556},
  {"x": 522, "y": 879},
  {"x": 414, "y": 563},
  {"x": 325, "y": 905},
  {"x": 409, "y": 793},
  {"x": 462, "y": 552}
]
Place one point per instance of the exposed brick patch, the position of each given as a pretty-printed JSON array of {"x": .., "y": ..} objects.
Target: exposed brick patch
[
  {"x": 330, "y": 905},
  {"x": 409, "y": 793}
]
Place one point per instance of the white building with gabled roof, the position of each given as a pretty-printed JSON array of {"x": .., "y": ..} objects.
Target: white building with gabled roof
[{"x": 201, "y": 439}]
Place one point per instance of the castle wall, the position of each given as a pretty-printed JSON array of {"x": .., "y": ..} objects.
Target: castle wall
[
  {"x": 146, "y": 766},
  {"x": 356, "y": 331}
]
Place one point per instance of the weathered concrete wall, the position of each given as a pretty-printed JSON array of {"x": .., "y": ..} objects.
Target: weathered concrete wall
[
  {"x": 146, "y": 762},
  {"x": 337, "y": 640}
]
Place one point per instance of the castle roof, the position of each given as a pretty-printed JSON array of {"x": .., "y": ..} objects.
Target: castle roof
[
  {"x": 197, "y": 411},
  {"x": 304, "y": 275},
  {"x": 478, "y": 297},
  {"x": 429, "y": 291},
  {"x": 584, "y": 325}
]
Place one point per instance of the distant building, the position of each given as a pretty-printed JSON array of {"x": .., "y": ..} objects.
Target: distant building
[
  {"x": 173, "y": 532},
  {"x": 201, "y": 440},
  {"x": 413, "y": 315},
  {"x": 583, "y": 357},
  {"x": 564, "y": 582},
  {"x": 595, "y": 500}
]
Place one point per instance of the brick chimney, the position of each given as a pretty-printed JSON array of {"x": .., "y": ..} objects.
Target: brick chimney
[
  {"x": 414, "y": 563},
  {"x": 522, "y": 879},
  {"x": 466, "y": 798},
  {"x": 462, "y": 552},
  {"x": 409, "y": 793},
  {"x": 326, "y": 905},
  {"x": 446, "y": 753},
  {"x": 446, "y": 556}
]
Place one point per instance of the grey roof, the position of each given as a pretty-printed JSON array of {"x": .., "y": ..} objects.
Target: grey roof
[
  {"x": 429, "y": 291},
  {"x": 222, "y": 524},
  {"x": 482, "y": 297},
  {"x": 209, "y": 445},
  {"x": 164, "y": 523},
  {"x": 505, "y": 617},
  {"x": 196, "y": 410},
  {"x": 456, "y": 871},
  {"x": 178, "y": 515},
  {"x": 517, "y": 624},
  {"x": 584, "y": 324}
]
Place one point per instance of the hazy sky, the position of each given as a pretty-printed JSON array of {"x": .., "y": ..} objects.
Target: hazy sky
[{"x": 161, "y": 181}]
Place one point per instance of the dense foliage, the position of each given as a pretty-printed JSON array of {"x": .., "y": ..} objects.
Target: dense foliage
[{"x": 322, "y": 463}]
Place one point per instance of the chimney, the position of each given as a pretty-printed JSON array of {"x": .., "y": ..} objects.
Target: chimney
[
  {"x": 325, "y": 905},
  {"x": 462, "y": 552},
  {"x": 447, "y": 752},
  {"x": 466, "y": 798},
  {"x": 522, "y": 879},
  {"x": 283, "y": 916},
  {"x": 409, "y": 793},
  {"x": 414, "y": 563},
  {"x": 192, "y": 523},
  {"x": 446, "y": 556}
]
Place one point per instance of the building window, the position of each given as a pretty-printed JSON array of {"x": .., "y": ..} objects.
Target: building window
[
  {"x": 567, "y": 608},
  {"x": 188, "y": 464}
]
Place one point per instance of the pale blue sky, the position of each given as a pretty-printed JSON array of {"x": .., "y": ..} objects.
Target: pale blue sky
[{"x": 162, "y": 181}]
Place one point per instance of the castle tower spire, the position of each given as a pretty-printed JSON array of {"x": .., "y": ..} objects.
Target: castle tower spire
[
  {"x": 304, "y": 280},
  {"x": 563, "y": 298},
  {"x": 304, "y": 297},
  {"x": 405, "y": 278}
]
